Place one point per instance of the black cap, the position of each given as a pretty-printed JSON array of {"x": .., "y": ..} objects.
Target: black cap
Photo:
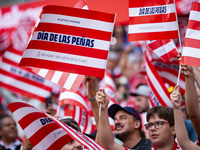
[{"x": 113, "y": 109}]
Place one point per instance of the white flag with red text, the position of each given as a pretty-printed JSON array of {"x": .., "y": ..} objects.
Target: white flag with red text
[
  {"x": 21, "y": 80},
  {"x": 71, "y": 40},
  {"x": 165, "y": 49},
  {"x": 152, "y": 20},
  {"x": 46, "y": 133},
  {"x": 191, "y": 49}
]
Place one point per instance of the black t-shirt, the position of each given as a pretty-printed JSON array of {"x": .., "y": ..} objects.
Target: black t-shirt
[{"x": 144, "y": 144}]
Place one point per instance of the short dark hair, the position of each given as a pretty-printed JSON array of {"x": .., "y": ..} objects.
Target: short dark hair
[
  {"x": 163, "y": 112},
  {"x": 72, "y": 123},
  {"x": 2, "y": 117}
]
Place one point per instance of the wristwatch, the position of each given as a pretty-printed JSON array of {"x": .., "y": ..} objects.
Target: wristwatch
[{"x": 92, "y": 98}]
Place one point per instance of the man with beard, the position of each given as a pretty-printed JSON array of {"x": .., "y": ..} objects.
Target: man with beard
[
  {"x": 127, "y": 126},
  {"x": 9, "y": 133}
]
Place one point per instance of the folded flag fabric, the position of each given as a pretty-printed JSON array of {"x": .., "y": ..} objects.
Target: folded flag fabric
[
  {"x": 152, "y": 20},
  {"x": 46, "y": 133},
  {"x": 191, "y": 49},
  {"x": 70, "y": 81},
  {"x": 165, "y": 49},
  {"x": 71, "y": 40},
  {"x": 21, "y": 80}
]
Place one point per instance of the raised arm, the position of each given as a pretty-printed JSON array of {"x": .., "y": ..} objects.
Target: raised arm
[
  {"x": 105, "y": 136},
  {"x": 180, "y": 129},
  {"x": 90, "y": 84},
  {"x": 191, "y": 97}
]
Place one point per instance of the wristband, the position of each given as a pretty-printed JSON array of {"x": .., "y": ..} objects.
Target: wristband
[{"x": 92, "y": 98}]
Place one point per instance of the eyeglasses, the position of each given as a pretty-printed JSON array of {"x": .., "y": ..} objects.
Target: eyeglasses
[{"x": 157, "y": 124}]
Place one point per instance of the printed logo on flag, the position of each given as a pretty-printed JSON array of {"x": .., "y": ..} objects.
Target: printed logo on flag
[{"x": 71, "y": 40}]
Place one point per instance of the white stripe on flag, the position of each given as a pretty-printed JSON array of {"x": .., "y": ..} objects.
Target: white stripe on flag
[
  {"x": 194, "y": 15},
  {"x": 191, "y": 52},
  {"x": 80, "y": 139},
  {"x": 77, "y": 114},
  {"x": 153, "y": 27},
  {"x": 56, "y": 76},
  {"x": 98, "y": 44},
  {"x": 12, "y": 56},
  {"x": 134, "y": 12},
  {"x": 77, "y": 22},
  {"x": 25, "y": 86},
  {"x": 89, "y": 125},
  {"x": 7, "y": 67},
  {"x": 74, "y": 96},
  {"x": 172, "y": 78},
  {"x": 158, "y": 87},
  {"x": 34, "y": 126},
  {"x": 164, "y": 49},
  {"x": 44, "y": 143},
  {"x": 43, "y": 72},
  {"x": 68, "y": 58},
  {"x": 193, "y": 34},
  {"x": 70, "y": 81},
  {"x": 22, "y": 112}
]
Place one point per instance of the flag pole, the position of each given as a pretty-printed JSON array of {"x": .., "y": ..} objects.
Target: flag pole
[
  {"x": 179, "y": 38},
  {"x": 103, "y": 85}
]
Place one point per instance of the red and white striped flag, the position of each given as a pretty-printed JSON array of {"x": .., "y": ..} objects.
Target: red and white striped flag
[
  {"x": 152, "y": 20},
  {"x": 70, "y": 81},
  {"x": 191, "y": 49},
  {"x": 80, "y": 111},
  {"x": 159, "y": 96},
  {"x": 169, "y": 73},
  {"x": 73, "y": 98},
  {"x": 46, "y": 133},
  {"x": 165, "y": 49},
  {"x": 71, "y": 40},
  {"x": 21, "y": 80},
  {"x": 110, "y": 88}
]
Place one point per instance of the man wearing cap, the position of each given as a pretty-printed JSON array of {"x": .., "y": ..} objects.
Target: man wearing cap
[
  {"x": 127, "y": 126},
  {"x": 141, "y": 95}
]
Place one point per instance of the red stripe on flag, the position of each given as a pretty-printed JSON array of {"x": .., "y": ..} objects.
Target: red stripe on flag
[
  {"x": 152, "y": 19},
  {"x": 18, "y": 105},
  {"x": 29, "y": 118},
  {"x": 41, "y": 133},
  {"x": 153, "y": 36},
  {"x": 75, "y": 31},
  {"x": 190, "y": 61},
  {"x": 167, "y": 56},
  {"x": 12, "y": 88},
  {"x": 195, "y": 6},
  {"x": 25, "y": 80},
  {"x": 158, "y": 43},
  {"x": 65, "y": 48},
  {"x": 50, "y": 74},
  {"x": 63, "y": 79},
  {"x": 156, "y": 93},
  {"x": 63, "y": 67},
  {"x": 194, "y": 43},
  {"x": 193, "y": 24},
  {"x": 79, "y": 13},
  {"x": 61, "y": 142},
  {"x": 147, "y": 3}
]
